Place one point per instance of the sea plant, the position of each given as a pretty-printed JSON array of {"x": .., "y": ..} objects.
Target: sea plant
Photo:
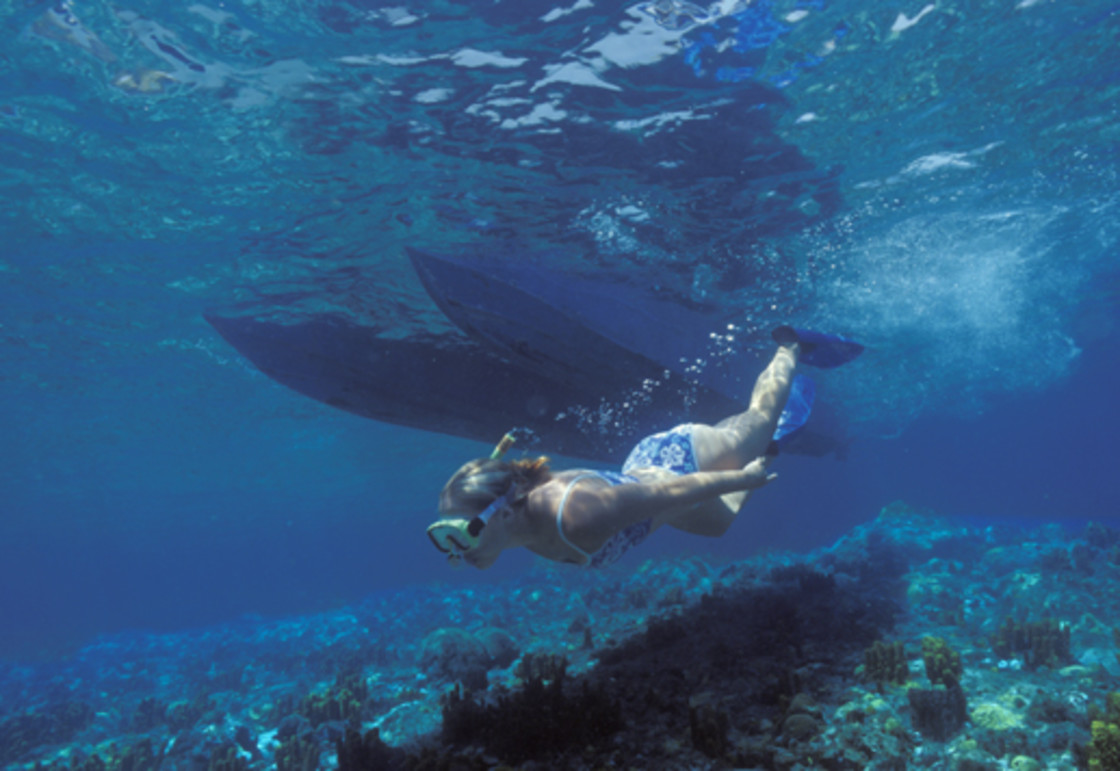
[
  {"x": 1104, "y": 744},
  {"x": 943, "y": 664},
  {"x": 343, "y": 701},
  {"x": 1039, "y": 643},
  {"x": 298, "y": 753},
  {"x": 886, "y": 663}
]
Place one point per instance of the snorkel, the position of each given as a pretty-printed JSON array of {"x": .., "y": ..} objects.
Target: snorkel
[
  {"x": 456, "y": 536},
  {"x": 502, "y": 447}
]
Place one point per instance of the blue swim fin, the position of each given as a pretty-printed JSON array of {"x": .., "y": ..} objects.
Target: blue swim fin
[
  {"x": 819, "y": 349},
  {"x": 798, "y": 407}
]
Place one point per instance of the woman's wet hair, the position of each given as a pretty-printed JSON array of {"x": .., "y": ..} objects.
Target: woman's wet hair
[{"x": 481, "y": 482}]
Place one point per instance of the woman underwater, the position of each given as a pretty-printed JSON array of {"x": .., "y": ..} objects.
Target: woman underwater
[{"x": 693, "y": 477}]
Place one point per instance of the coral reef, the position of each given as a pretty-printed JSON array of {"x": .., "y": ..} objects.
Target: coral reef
[
  {"x": 49, "y": 724},
  {"x": 782, "y": 662}
]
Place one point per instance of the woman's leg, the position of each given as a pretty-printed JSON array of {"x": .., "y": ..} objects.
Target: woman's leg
[{"x": 736, "y": 441}]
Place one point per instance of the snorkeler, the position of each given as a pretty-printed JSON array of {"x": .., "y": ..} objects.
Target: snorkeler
[{"x": 693, "y": 477}]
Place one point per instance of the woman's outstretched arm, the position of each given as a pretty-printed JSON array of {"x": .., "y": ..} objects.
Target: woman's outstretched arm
[{"x": 598, "y": 514}]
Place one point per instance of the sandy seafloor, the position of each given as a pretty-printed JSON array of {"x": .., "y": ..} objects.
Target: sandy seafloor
[{"x": 676, "y": 663}]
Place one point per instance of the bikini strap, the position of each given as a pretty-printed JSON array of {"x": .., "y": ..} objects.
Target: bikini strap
[{"x": 560, "y": 515}]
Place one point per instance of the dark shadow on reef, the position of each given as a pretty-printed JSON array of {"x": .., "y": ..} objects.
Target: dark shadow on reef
[{"x": 756, "y": 653}]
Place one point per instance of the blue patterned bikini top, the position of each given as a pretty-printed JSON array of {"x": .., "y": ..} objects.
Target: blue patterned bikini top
[{"x": 619, "y": 543}]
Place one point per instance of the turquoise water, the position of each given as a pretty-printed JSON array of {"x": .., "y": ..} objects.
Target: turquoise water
[{"x": 937, "y": 181}]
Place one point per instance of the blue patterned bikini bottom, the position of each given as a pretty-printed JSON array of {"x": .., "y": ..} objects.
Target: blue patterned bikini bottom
[{"x": 671, "y": 450}]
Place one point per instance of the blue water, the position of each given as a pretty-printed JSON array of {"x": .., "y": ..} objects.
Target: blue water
[{"x": 938, "y": 181}]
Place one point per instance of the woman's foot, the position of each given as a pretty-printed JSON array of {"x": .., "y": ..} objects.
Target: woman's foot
[{"x": 818, "y": 349}]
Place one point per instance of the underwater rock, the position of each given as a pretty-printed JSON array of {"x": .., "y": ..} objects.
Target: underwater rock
[
  {"x": 800, "y": 727},
  {"x": 1025, "y": 763},
  {"x": 500, "y": 646},
  {"x": 938, "y": 713},
  {"x": 455, "y": 654},
  {"x": 899, "y": 538},
  {"x": 409, "y": 722}
]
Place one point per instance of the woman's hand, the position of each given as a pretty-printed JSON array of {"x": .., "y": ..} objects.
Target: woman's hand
[{"x": 755, "y": 473}]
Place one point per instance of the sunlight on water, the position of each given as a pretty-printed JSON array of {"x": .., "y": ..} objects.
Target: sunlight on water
[{"x": 958, "y": 308}]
